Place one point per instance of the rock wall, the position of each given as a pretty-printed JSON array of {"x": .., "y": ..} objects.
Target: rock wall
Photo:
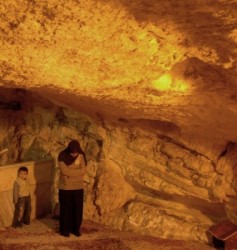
[
  {"x": 166, "y": 188},
  {"x": 137, "y": 179}
]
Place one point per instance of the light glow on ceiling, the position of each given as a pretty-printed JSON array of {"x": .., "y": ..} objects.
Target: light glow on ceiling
[{"x": 168, "y": 83}]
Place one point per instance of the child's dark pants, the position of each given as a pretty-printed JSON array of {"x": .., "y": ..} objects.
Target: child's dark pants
[{"x": 22, "y": 211}]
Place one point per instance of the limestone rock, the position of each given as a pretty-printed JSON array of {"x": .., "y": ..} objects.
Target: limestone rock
[{"x": 147, "y": 87}]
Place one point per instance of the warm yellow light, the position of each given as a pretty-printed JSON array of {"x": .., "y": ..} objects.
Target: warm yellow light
[
  {"x": 163, "y": 83},
  {"x": 166, "y": 83}
]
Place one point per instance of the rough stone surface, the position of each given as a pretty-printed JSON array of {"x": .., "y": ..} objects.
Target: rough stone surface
[
  {"x": 148, "y": 87},
  {"x": 43, "y": 235}
]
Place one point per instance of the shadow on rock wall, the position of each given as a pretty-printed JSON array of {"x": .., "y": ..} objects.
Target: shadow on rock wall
[{"x": 208, "y": 25}]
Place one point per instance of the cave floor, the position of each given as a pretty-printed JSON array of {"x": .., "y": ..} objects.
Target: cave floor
[{"x": 43, "y": 234}]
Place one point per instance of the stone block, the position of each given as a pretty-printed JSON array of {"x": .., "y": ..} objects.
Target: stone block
[{"x": 40, "y": 177}]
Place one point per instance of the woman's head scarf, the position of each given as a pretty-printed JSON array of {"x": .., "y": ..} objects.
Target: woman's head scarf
[{"x": 73, "y": 147}]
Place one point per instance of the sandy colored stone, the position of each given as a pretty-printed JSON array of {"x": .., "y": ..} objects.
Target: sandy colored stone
[{"x": 146, "y": 86}]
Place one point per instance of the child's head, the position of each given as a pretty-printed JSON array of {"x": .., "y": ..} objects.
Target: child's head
[{"x": 22, "y": 172}]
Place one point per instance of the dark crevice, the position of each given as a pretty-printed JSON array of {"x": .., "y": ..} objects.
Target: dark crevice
[
  {"x": 11, "y": 105},
  {"x": 182, "y": 146},
  {"x": 224, "y": 152},
  {"x": 94, "y": 194}
]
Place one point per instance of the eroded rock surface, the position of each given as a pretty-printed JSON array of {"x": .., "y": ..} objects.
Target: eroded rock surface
[
  {"x": 137, "y": 180},
  {"x": 148, "y": 87}
]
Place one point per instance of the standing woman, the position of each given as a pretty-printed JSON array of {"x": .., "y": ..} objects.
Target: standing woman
[{"x": 72, "y": 162}]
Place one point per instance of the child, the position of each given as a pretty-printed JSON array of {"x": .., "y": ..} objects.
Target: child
[{"x": 22, "y": 199}]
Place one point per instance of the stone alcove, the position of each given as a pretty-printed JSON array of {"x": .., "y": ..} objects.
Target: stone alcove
[{"x": 141, "y": 177}]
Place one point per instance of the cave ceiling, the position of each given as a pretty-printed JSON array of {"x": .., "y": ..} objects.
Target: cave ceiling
[{"x": 151, "y": 61}]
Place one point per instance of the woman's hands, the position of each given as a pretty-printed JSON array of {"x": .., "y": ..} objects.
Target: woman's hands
[{"x": 77, "y": 161}]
